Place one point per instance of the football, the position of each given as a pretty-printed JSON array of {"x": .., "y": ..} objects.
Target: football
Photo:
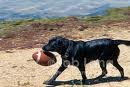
[{"x": 44, "y": 58}]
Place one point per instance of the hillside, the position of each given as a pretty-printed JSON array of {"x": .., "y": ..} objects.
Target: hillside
[{"x": 31, "y": 33}]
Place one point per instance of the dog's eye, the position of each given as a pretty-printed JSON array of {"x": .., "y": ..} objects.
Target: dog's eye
[
  {"x": 53, "y": 44},
  {"x": 60, "y": 42}
]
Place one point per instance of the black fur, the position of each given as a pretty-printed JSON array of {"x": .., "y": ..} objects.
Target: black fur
[{"x": 78, "y": 53}]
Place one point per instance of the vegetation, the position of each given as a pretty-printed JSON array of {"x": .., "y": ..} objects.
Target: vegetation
[
  {"x": 113, "y": 14},
  {"x": 7, "y": 27}
]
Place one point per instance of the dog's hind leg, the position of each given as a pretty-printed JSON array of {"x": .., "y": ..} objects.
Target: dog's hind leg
[
  {"x": 121, "y": 70},
  {"x": 103, "y": 67},
  {"x": 115, "y": 62}
]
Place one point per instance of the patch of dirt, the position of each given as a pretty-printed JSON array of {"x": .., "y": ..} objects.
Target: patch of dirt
[
  {"x": 19, "y": 70},
  {"x": 37, "y": 34}
]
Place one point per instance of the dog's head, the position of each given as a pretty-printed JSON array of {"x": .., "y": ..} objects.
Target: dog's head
[{"x": 55, "y": 44}]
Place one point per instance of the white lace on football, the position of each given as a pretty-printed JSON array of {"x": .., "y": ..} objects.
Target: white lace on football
[{"x": 38, "y": 56}]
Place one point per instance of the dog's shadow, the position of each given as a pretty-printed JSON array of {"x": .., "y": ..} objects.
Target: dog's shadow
[{"x": 88, "y": 81}]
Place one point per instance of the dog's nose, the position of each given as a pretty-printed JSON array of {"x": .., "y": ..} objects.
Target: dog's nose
[{"x": 44, "y": 48}]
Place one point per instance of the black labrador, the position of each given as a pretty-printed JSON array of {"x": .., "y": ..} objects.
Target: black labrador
[{"x": 78, "y": 53}]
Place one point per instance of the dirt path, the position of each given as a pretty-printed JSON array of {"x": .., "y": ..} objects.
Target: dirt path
[{"x": 17, "y": 69}]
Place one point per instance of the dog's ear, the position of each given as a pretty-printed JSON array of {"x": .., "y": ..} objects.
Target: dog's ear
[{"x": 60, "y": 42}]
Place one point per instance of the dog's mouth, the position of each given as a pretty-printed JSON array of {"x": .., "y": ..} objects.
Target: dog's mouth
[
  {"x": 50, "y": 54},
  {"x": 44, "y": 48}
]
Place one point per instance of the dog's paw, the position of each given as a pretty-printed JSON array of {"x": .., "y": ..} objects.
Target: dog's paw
[
  {"x": 84, "y": 81},
  {"x": 121, "y": 79}
]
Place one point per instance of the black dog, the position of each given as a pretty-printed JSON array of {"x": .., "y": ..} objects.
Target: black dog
[{"x": 84, "y": 52}]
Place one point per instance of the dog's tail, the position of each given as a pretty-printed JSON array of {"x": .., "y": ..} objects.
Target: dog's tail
[{"x": 125, "y": 42}]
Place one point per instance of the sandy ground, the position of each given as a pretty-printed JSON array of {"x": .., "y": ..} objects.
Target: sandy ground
[{"x": 17, "y": 69}]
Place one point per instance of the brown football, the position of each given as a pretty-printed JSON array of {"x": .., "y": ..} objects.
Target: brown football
[{"x": 44, "y": 58}]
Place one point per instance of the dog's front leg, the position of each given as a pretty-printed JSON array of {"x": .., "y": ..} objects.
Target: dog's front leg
[
  {"x": 59, "y": 71},
  {"x": 81, "y": 68}
]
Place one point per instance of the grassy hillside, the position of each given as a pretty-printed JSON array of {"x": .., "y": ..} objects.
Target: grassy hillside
[
  {"x": 113, "y": 14},
  {"x": 7, "y": 27}
]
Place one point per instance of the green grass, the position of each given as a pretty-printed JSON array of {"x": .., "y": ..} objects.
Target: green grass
[
  {"x": 113, "y": 14},
  {"x": 7, "y": 27},
  {"x": 51, "y": 20}
]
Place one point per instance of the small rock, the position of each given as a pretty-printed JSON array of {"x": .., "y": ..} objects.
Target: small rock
[
  {"x": 30, "y": 60},
  {"x": 8, "y": 51},
  {"x": 14, "y": 66},
  {"x": 82, "y": 27},
  {"x": 59, "y": 24},
  {"x": 51, "y": 29},
  {"x": 72, "y": 18},
  {"x": 35, "y": 25}
]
